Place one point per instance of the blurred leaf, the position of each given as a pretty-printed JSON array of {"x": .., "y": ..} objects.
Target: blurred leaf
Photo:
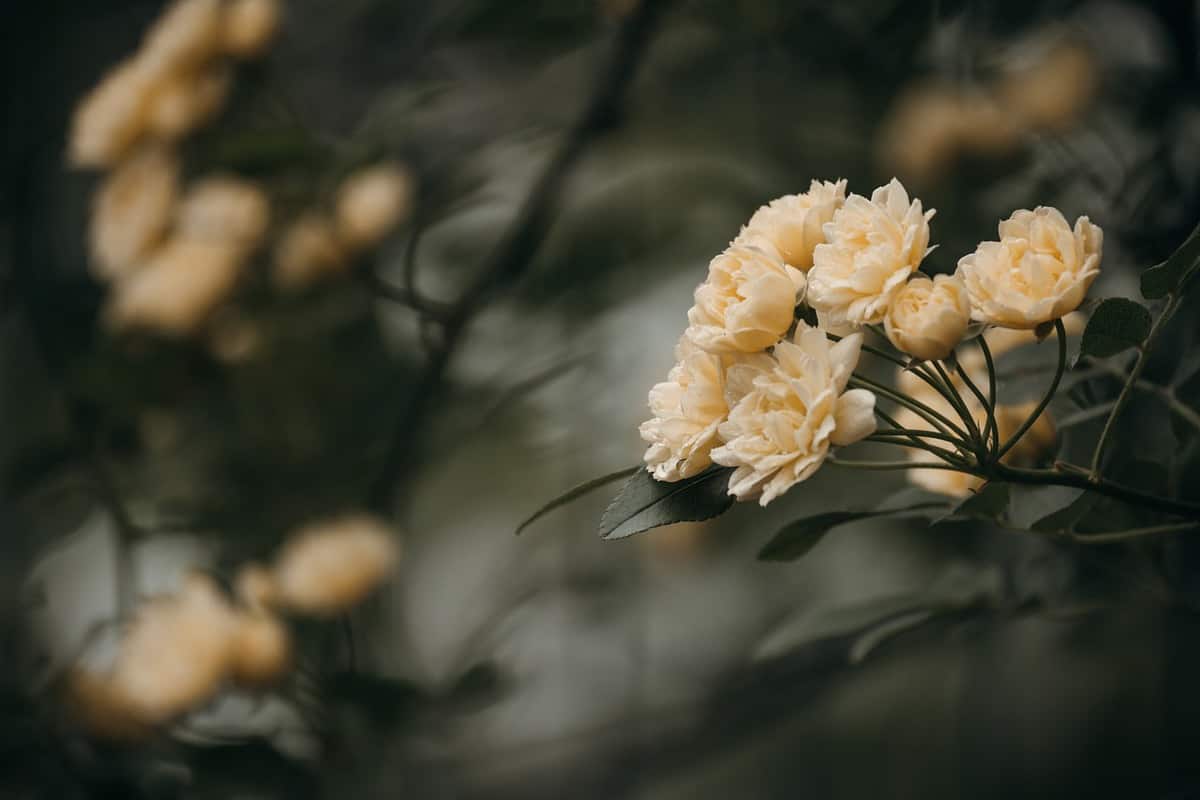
[
  {"x": 989, "y": 503},
  {"x": 644, "y": 503},
  {"x": 796, "y": 539},
  {"x": 579, "y": 490},
  {"x": 1047, "y": 508},
  {"x": 1171, "y": 275},
  {"x": 1116, "y": 325}
]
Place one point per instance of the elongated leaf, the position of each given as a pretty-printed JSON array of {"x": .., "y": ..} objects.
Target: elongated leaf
[
  {"x": 644, "y": 503},
  {"x": 1116, "y": 325},
  {"x": 796, "y": 539},
  {"x": 1171, "y": 275},
  {"x": 579, "y": 490}
]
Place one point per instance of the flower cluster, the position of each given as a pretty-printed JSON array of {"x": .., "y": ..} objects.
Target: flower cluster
[
  {"x": 174, "y": 250},
  {"x": 181, "y": 648},
  {"x": 760, "y": 388}
]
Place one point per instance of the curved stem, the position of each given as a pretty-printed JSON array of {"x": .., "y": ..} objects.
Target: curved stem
[
  {"x": 960, "y": 405},
  {"x": 1127, "y": 390},
  {"x": 1132, "y": 533},
  {"x": 1078, "y": 480},
  {"x": 903, "y": 441},
  {"x": 989, "y": 423},
  {"x": 891, "y": 465},
  {"x": 1061, "y": 333},
  {"x": 916, "y": 435},
  {"x": 931, "y": 416},
  {"x": 992, "y": 426}
]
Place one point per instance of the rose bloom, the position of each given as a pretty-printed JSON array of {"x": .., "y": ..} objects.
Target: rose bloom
[
  {"x": 250, "y": 26},
  {"x": 308, "y": 250},
  {"x": 132, "y": 211},
  {"x": 793, "y": 224},
  {"x": 927, "y": 318},
  {"x": 687, "y": 409},
  {"x": 330, "y": 566},
  {"x": 747, "y": 303},
  {"x": 873, "y": 246},
  {"x": 225, "y": 210},
  {"x": 1040, "y": 269},
  {"x": 176, "y": 654},
  {"x": 780, "y": 431},
  {"x": 261, "y": 649},
  {"x": 371, "y": 202},
  {"x": 183, "y": 102},
  {"x": 111, "y": 118},
  {"x": 177, "y": 290},
  {"x": 187, "y": 34}
]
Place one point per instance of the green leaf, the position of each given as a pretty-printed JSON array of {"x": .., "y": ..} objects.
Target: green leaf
[
  {"x": 1044, "y": 508},
  {"x": 989, "y": 503},
  {"x": 1170, "y": 276},
  {"x": 795, "y": 540},
  {"x": 575, "y": 491},
  {"x": 644, "y": 503},
  {"x": 1116, "y": 325}
]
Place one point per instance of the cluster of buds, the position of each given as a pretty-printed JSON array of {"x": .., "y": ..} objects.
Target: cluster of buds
[{"x": 181, "y": 649}]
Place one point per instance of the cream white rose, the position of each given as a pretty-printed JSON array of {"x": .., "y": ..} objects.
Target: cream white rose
[
  {"x": 747, "y": 304},
  {"x": 1040, "y": 269},
  {"x": 794, "y": 224},
  {"x": 872, "y": 247},
  {"x": 796, "y": 407},
  {"x": 927, "y": 318},
  {"x": 687, "y": 409}
]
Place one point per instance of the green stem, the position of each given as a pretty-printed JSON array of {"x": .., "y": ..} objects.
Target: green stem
[
  {"x": 1165, "y": 393},
  {"x": 902, "y": 441},
  {"x": 1132, "y": 533},
  {"x": 891, "y": 465},
  {"x": 915, "y": 435},
  {"x": 992, "y": 426},
  {"x": 961, "y": 406},
  {"x": 989, "y": 423},
  {"x": 1061, "y": 333},
  {"x": 1123, "y": 398},
  {"x": 931, "y": 416},
  {"x": 1079, "y": 480}
]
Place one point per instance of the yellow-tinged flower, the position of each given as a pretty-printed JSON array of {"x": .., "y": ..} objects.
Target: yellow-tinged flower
[
  {"x": 747, "y": 303},
  {"x": 928, "y": 317},
  {"x": 330, "y": 566},
  {"x": 184, "y": 101},
  {"x": 185, "y": 36},
  {"x": 687, "y": 409},
  {"x": 1052, "y": 91},
  {"x": 371, "y": 202},
  {"x": 132, "y": 211},
  {"x": 176, "y": 654},
  {"x": 180, "y": 286},
  {"x": 308, "y": 250},
  {"x": 261, "y": 649},
  {"x": 110, "y": 119},
  {"x": 794, "y": 224},
  {"x": 1040, "y": 269},
  {"x": 225, "y": 210},
  {"x": 250, "y": 26},
  {"x": 872, "y": 247},
  {"x": 780, "y": 431}
]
